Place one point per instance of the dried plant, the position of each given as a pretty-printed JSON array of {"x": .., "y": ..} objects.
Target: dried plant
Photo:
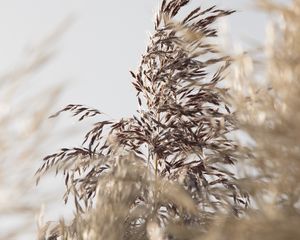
[
  {"x": 23, "y": 134},
  {"x": 22, "y": 130},
  {"x": 266, "y": 95},
  {"x": 171, "y": 165},
  {"x": 270, "y": 114}
]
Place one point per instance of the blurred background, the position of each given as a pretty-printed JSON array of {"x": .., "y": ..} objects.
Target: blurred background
[{"x": 57, "y": 52}]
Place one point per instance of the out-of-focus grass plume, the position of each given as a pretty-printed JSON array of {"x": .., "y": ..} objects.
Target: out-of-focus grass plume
[
  {"x": 266, "y": 94},
  {"x": 23, "y": 133}
]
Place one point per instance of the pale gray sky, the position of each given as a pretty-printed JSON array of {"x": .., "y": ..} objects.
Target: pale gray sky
[{"x": 104, "y": 43}]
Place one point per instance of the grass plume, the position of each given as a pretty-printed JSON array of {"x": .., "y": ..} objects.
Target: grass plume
[
  {"x": 168, "y": 171},
  {"x": 174, "y": 155}
]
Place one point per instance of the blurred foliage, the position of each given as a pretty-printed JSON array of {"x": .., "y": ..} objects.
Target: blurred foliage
[{"x": 23, "y": 110}]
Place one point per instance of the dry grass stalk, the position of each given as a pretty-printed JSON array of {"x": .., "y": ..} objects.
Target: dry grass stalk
[
  {"x": 22, "y": 131},
  {"x": 143, "y": 175},
  {"x": 268, "y": 110}
]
